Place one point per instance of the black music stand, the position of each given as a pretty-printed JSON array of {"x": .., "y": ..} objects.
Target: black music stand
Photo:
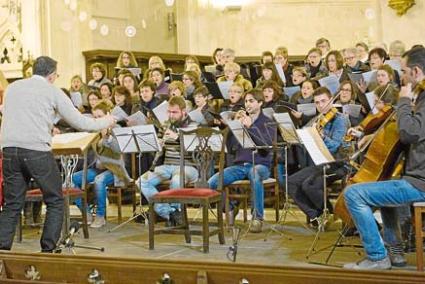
[
  {"x": 137, "y": 139},
  {"x": 321, "y": 156},
  {"x": 290, "y": 137}
]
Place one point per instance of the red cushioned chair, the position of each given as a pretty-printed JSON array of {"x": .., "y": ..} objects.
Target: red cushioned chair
[
  {"x": 203, "y": 154},
  {"x": 73, "y": 193}
]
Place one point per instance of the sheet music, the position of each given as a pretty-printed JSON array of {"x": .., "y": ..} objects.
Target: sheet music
[
  {"x": 119, "y": 114},
  {"x": 352, "y": 109},
  {"x": 137, "y": 118},
  {"x": 369, "y": 77},
  {"x": 356, "y": 78},
  {"x": 371, "y": 98},
  {"x": 191, "y": 141},
  {"x": 224, "y": 88},
  {"x": 268, "y": 111},
  {"x": 69, "y": 137},
  {"x": 395, "y": 64},
  {"x": 227, "y": 115},
  {"x": 145, "y": 135},
  {"x": 307, "y": 109},
  {"x": 331, "y": 82},
  {"x": 280, "y": 72},
  {"x": 197, "y": 116},
  {"x": 315, "y": 146},
  {"x": 210, "y": 68},
  {"x": 241, "y": 134},
  {"x": 136, "y": 71},
  {"x": 286, "y": 127},
  {"x": 161, "y": 112},
  {"x": 290, "y": 91}
]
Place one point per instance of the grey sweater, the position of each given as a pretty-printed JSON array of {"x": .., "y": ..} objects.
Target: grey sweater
[
  {"x": 30, "y": 108},
  {"x": 411, "y": 126}
]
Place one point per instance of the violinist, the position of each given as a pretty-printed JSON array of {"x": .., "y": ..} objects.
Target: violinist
[
  {"x": 170, "y": 164},
  {"x": 306, "y": 186},
  {"x": 361, "y": 198},
  {"x": 382, "y": 109}
]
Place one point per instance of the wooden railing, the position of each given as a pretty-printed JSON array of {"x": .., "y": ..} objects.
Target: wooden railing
[{"x": 54, "y": 268}]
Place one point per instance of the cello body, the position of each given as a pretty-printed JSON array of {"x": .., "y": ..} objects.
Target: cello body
[{"x": 378, "y": 164}]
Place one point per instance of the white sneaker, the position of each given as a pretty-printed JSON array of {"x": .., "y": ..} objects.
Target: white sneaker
[{"x": 98, "y": 222}]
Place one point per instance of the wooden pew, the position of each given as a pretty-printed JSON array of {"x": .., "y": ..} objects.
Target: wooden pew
[{"x": 54, "y": 268}]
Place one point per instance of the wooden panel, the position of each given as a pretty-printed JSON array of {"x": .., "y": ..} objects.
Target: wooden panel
[{"x": 75, "y": 269}]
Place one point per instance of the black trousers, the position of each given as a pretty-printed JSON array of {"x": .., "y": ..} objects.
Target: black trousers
[
  {"x": 19, "y": 165},
  {"x": 306, "y": 187}
]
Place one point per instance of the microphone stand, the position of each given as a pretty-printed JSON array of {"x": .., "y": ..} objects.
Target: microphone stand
[{"x": 69, "y": 243}]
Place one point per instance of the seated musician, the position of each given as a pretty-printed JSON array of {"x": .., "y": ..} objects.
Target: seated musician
[
  {"x": 256, "y": 123},
  {"x": 306, "y": 186},
  {"x": 361, "y": 198},
  {"x": 107, "y": 148},
  {"x": 169, "y": 169},
  {"x": 382, "y": 104}
]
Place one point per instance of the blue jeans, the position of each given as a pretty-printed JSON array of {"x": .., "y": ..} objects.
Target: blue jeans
[
  {"x": 256, "y": 177},
  {"x": 19, "y": 166},
  {"x": 361, "y": 198},
  {"x": 101, "y": 181},
  {"x": 149, "y": 180}
]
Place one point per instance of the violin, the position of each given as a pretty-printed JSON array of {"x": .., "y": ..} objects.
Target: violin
[
  {"x": 370, "y": 123},
  {"x": 325, "y": 119}
]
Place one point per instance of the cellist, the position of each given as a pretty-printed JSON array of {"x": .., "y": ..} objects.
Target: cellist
[{"x": 361, "y": 198}]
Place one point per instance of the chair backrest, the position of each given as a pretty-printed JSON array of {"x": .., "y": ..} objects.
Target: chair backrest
[{"x": 203, "y": 143}]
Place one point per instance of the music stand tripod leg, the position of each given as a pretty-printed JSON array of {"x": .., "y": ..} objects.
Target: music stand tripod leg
[
  {"x": 286, "y": 206},
  {"x": 141, "y": 212},
  {"x": 323, "y": 219}
]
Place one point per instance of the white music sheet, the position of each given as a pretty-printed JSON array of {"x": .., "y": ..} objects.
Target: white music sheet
[{"x": 315, "y": 146}]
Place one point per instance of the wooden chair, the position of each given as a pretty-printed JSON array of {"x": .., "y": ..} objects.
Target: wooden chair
[
  {"x": 241, "y": 190},
  {"x": 73, "y": 193},
  {"x": 419, "y": 234},
  {"x": 200, "y": 195}
]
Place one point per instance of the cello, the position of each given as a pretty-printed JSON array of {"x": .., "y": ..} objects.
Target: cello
[{"x": 378, "y": 164}]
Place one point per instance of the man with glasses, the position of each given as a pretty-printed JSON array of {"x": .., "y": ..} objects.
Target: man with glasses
[
  {"x": 169, "y": 168},
  {"x": 31, "y": 106}
]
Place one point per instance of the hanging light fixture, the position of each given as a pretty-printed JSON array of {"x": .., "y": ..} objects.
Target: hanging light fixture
[{"x": 169, "y": 3}]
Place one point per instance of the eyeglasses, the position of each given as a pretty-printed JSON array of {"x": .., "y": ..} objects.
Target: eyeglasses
[{"x": 346, "y": 90}]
